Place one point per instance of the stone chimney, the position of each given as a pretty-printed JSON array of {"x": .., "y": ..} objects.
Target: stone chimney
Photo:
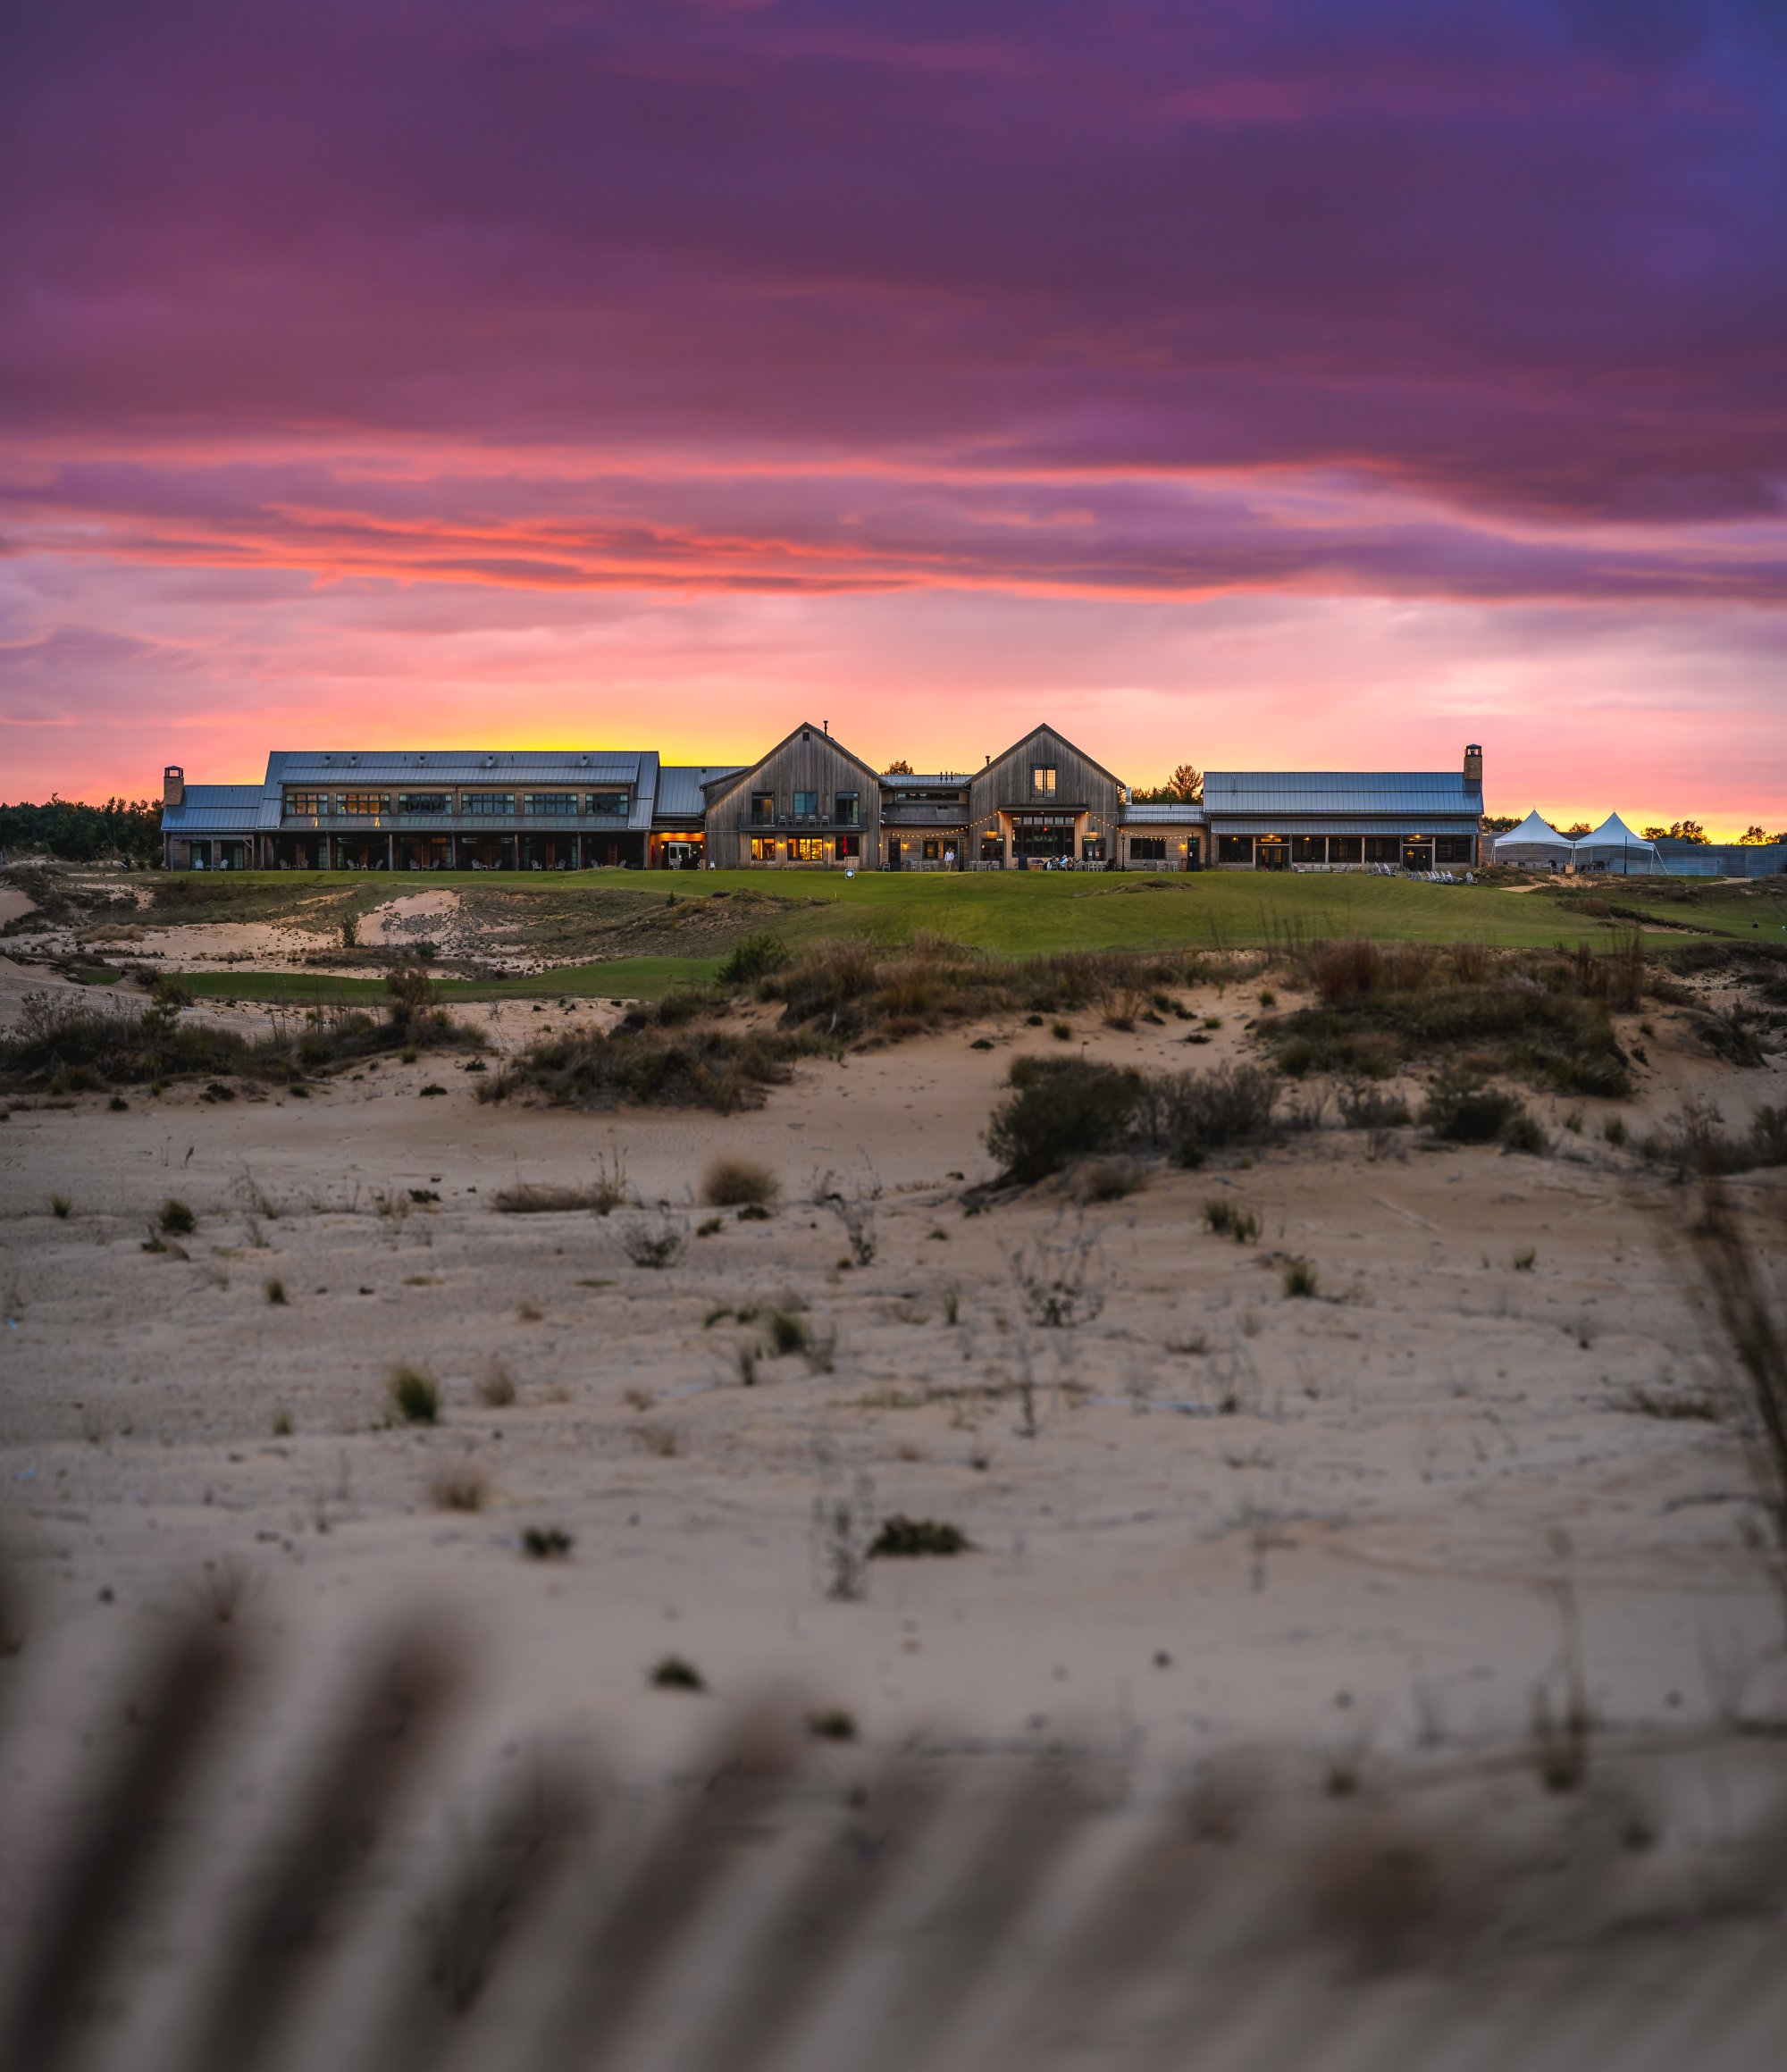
[
  {"x": 1473, "y": 768},
  {"x": 173, "y": 785}
]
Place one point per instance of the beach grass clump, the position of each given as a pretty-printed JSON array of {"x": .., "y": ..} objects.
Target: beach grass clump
[
  {"x": 732, "y": 1182},
  {"x": 414, "y": 1395},
  {"x": 1545, "y": 1016},
  {"x": 901, "y": 1538},
  {"x": 638, "y": 1065}
]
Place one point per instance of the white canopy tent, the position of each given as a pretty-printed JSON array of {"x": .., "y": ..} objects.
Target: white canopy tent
[
  {"x": 1612, "y": 846},
  {"x": 1534, "y": 843}
]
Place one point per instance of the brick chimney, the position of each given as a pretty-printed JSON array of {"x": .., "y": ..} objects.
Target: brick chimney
[
  {"x": 1473, "y": 768},
  {"x": 173, "y": 785}
]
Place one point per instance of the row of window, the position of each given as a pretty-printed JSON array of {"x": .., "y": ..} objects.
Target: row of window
[
  {"x": 846, "y": 808},
  {"x": 806, "y": 848},
  {"x": 474, "y": 805},
  {"x": 1332, "y": 848}
]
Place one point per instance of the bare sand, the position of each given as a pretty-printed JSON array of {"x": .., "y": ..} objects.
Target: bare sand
[{"x": 1232, "y": 1513}]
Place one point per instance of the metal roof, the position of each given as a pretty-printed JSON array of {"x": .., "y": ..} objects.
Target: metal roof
[
  {"x": 680, "y": 794},
  {"x": 460, "y": 767},
  {"x": 1332, "y": 792},
  {"x": 214, "y": 809},
  {"x": 346, "y": 768},
  {"x": 943, "y": 780},
  {"x": 1162, "y": 816}
]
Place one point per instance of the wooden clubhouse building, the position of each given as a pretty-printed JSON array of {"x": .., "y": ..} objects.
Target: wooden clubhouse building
[{"x": 808, "y": 804}]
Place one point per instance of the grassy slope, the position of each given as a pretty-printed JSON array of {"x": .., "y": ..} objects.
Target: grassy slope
[{"x": 1031, "y": 913}]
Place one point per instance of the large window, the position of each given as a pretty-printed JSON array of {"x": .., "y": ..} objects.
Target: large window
[
  {"x": 1309, "y": 849},
  {"x": 1148, "y": 848},
  {"x": 763, "y": 849},
  {"x": 1344, "y": 848},
  {"x": 607, "y": 805},
  {"x": 545, "y": 803},
  {"x": 1234, "y": 849},
  {"x": 806, "y": 805},
  {"x": 1042, "y": 780},
  {"x": 762, "y": 808},
  {"x": 1383, "y": 849},
  {"x": 424, "y": 803},
  {"x": 849, "y": 847},
  {"x": 1452, "y": 849},
  {"x": 807, "y": 849},
  {"x": 489, "y": 805},
  {"x": 992, "y": 849},
  {"x": 847, "y": 807},
  {"x": 311, "y": 802},
  {"x": 365, "y": 803},
  {"x": 931, "y": 851}
]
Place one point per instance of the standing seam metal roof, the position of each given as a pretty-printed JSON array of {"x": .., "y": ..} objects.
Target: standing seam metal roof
[
  {"x": 1429, "y": 791},
  {"x": 214, "y": 809}
]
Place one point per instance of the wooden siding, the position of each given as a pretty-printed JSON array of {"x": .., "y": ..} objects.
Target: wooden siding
[
  {"x": 1004, "y": 785},
  {"x": 807, "y": 760}
]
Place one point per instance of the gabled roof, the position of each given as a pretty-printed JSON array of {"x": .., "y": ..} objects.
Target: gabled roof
[
  {"x": 1054, "y": 734},
  {"x": 1392, "y": 792},
  {"x": 1534, "y": 834},
  {"x": 214, "y": 809},
  {"x": 716, "y": 788}
]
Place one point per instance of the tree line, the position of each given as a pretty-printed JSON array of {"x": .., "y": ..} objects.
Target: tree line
[{"x": 122, "y": 831}]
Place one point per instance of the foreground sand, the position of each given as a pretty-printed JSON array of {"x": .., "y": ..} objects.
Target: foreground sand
[
  {"x": 1351, "y": 1529},
  {"x": 1355, "y": 1549}
]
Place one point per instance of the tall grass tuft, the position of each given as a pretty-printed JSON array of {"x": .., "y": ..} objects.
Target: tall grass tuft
[{"x": 415, "y": 1395}]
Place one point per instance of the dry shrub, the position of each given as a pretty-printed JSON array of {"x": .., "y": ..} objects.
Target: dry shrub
[
  {"x": 1187, "y": 1114},
  {"x": 1746, "y": 1307},
  {"x": 496, "y": 1386},
  {"x": 702, "y": 1068},
  {"x": 1060, "y": 1110},
  {"x": 731, "y": 1182},
  {"x": 460, "y": 1490},
  {"x": 1109, "y": 1179},
  {"x": 1696, "y": 1141},
  {"x": 539, "y": 1198}
]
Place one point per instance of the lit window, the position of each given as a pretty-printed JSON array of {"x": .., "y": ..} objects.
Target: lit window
[
  {"x": 807, "y": 849},
  {"x": 309, "y": 802},
  {"x": 762, "y": 807},
  {"x": 365, "y": 803},
  {"x": 762, "y": 849},
  {"x": 1043, "y": 780}
]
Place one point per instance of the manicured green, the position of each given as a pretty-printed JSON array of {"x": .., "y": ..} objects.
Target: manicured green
[{"x": 1012, "y": 913}]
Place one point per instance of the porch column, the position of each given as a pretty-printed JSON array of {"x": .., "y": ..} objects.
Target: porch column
[{"x": 390, "y": 852}]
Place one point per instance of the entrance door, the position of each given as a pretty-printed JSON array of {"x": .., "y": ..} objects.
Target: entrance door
[
  {"x": 1417, "y": 856},
  {"x": 1272, "y": 854}
]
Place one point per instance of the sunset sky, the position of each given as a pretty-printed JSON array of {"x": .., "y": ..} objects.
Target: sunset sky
[{"x": 1313, "y": 384}]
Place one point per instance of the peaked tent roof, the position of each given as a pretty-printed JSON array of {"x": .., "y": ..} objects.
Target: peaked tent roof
[
  {"x": 1614, "y": 833},
  {"x": 1534, "y": 834}
]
